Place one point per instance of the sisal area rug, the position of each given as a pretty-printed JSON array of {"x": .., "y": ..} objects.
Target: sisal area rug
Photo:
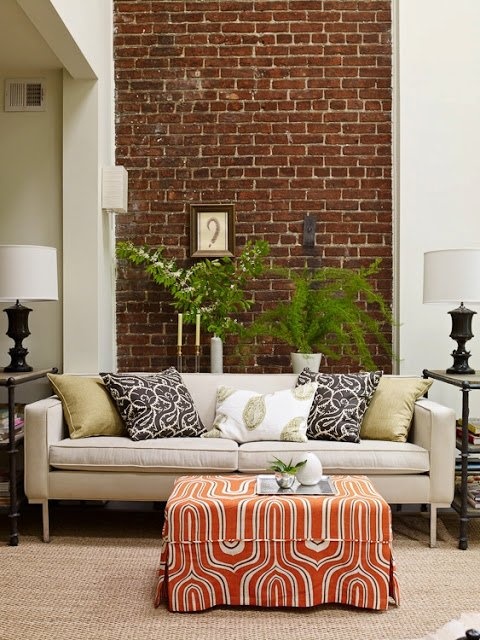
[{"x": 95, "y": 581}]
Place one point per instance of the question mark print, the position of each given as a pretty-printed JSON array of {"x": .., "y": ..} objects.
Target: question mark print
[{"x": 216, "y": 226}]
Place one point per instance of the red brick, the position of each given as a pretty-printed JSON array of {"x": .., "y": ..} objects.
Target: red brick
[{"x": 282, "y": 107}]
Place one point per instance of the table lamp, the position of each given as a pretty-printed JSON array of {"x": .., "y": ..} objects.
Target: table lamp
[
  {"x": 453, "y": 275},
  {"x": 27, "y": 272}
]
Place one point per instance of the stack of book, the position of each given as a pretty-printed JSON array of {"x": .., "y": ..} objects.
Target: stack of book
[
  {"x": 4, "y": 489},
  {"x": 18, "y": 423},
  {"x": 473, "y": 434},
  {"x": 473, "y": 492}
]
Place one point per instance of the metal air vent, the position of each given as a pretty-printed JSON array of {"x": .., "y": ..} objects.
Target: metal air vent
[{"x": 23, "y": 94}]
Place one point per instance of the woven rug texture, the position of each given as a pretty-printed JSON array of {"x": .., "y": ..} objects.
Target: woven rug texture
[{"x": 95, "y": 581}]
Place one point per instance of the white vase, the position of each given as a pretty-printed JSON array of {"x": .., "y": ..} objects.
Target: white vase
[
  {"x": 312, "y": 471},
  {"x": 302, "y": 360},
  {"x": 216, "y": 355}
]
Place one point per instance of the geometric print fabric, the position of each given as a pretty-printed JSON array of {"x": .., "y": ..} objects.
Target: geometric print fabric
[{"x": 224, "y": 545}]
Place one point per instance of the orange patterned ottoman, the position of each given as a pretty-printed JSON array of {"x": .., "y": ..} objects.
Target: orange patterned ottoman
[{"x": 224, "y": 545}]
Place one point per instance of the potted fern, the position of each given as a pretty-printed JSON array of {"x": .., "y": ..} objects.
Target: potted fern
[{"x": 326, "y": 315}]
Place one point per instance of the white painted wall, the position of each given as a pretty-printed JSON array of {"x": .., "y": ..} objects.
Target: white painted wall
[
  {"x": 89, "y": 232},
  {"x": 79, "y": 33},
  {"x": 439, "y": 169},
  {"x": 31, "y": 207}
]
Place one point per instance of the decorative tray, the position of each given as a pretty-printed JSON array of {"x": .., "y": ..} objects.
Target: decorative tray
[{"x": 267, "y": 485}]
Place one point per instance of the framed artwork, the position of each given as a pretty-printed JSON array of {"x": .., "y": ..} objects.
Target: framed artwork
[{"x": 212, "y": 232}]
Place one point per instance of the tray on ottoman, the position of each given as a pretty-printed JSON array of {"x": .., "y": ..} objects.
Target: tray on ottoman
[
  {"x": 266, "y": 485},
  {"x": 223, "y": 544}
]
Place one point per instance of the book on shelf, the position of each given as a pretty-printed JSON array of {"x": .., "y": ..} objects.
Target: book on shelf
[
  {"x": 472, "y": 439},
  {"x": 474, "y": 504},
  {"x": 473, "y": 495},
  {"x": 18, "y": 433},
  {"x": 4, "y": 421},
  {"x": 19, "y": 410},
  {"x": 471, "y": 447},
  {"x": 18, "y": 424},
  {"x": 473, "y": 425},
  {"x": 473, "y": 483}
]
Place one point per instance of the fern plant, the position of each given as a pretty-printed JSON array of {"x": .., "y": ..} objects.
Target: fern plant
[
  {"x": 214, "y": 288},
  {"x": 326, "y": 313}
]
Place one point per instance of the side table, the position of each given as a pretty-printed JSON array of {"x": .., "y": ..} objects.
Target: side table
[
  {"x": 11, "y": 381},
  {"x": 467, "y": 383}
]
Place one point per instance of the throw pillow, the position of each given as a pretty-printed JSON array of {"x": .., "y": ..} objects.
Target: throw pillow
[
  {"x": 154, "y": 405},
  {"x": 340, "y": 403},
  {"x": 390, "y": 413},
  {"x": 87, "y": 406},
  {"x": 246, "y": 416}
]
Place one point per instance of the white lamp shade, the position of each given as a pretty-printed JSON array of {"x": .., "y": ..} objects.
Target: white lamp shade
[
  {"x": 28, "y": 272},
  {"x": 451, "y": 275}
]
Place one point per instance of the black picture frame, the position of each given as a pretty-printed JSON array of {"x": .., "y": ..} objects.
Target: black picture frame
[{"x": 212, "y": 230}]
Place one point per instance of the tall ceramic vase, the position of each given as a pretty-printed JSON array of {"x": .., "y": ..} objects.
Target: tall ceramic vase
[
  {"x": 302, "y": 360},
  {"x": 216, "y": 355}
]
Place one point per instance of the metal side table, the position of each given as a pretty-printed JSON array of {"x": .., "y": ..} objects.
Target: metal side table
[
  {"x": 467, "y": 383},
  {"x": 11, "y": 381}
]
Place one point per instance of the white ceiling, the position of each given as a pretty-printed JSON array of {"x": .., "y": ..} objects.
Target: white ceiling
[{"x": 22, "y": 48}]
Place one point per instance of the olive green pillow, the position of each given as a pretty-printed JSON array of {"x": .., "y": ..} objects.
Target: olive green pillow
[
  {"x": 390, "y": 412},
  {"x": 87, "y": 406}
]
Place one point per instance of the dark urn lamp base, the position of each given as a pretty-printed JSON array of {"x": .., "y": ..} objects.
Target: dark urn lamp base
[
  {"x": 18, "y": 331},
  {"x": 461, "y": 332}
]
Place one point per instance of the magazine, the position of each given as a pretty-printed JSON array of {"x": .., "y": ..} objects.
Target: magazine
[{"x": 267, "y": 485}]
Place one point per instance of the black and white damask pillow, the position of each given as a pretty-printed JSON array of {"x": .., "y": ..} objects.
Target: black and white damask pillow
[
  {"x": 339, "y": 404},
  {"x": 155, "y": 405}
]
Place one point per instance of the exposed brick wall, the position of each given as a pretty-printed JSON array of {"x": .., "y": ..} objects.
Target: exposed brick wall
[{"x": 282, "y": 107}]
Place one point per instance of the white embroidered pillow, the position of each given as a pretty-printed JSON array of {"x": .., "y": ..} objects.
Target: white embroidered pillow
[{"x": 246, "y": 416}]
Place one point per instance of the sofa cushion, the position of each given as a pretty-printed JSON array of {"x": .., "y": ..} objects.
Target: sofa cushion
[
  {"x": 87, "y": 406},
  {"x": 244, "y": 415},
  {"x": 154, "y": 406},
  {"x": 390, "y": 412},
  {"x": 372, "y": 457},
  {"x": 167, "y": 455},
  {"x": 340, "y": 403}
]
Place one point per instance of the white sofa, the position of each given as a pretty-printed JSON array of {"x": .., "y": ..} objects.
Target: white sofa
[{"x": 420, "y": 471}]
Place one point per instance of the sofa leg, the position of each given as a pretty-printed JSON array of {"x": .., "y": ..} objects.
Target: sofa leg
[
  {"x": 433, "y": 526},
  {"x": 45, "y": 522}
]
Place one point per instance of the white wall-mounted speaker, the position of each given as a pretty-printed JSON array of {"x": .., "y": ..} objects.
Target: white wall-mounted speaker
[
  {"x": 115, "y": 189},
  {"x": 24, "y": 94}
]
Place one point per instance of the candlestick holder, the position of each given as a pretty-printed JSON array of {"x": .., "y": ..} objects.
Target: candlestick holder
[
  {"x": 179, "y": 358},
  {"x": 197, "y": 358}
]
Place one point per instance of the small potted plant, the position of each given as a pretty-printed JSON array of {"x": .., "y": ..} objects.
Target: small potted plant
[
  {"x": 285, "y": 472},
  {"x": 326, "y": 314}
]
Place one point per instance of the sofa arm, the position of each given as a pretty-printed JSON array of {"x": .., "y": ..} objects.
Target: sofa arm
[
  {"x": 433, "y": 429},
  {"x": 44, "y": 425}
]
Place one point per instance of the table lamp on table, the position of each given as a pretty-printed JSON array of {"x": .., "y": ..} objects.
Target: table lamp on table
[
  {"x": 27, "y": 272},
  {"x": 453, "y": 275}
]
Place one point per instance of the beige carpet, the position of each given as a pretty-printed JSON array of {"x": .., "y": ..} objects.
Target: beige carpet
[{"x": 95, "y": 581}]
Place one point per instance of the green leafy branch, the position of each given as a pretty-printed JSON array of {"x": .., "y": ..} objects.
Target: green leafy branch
[
  {"x": 213, "y": 288},
  {"x": 279, "y": 466}
]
